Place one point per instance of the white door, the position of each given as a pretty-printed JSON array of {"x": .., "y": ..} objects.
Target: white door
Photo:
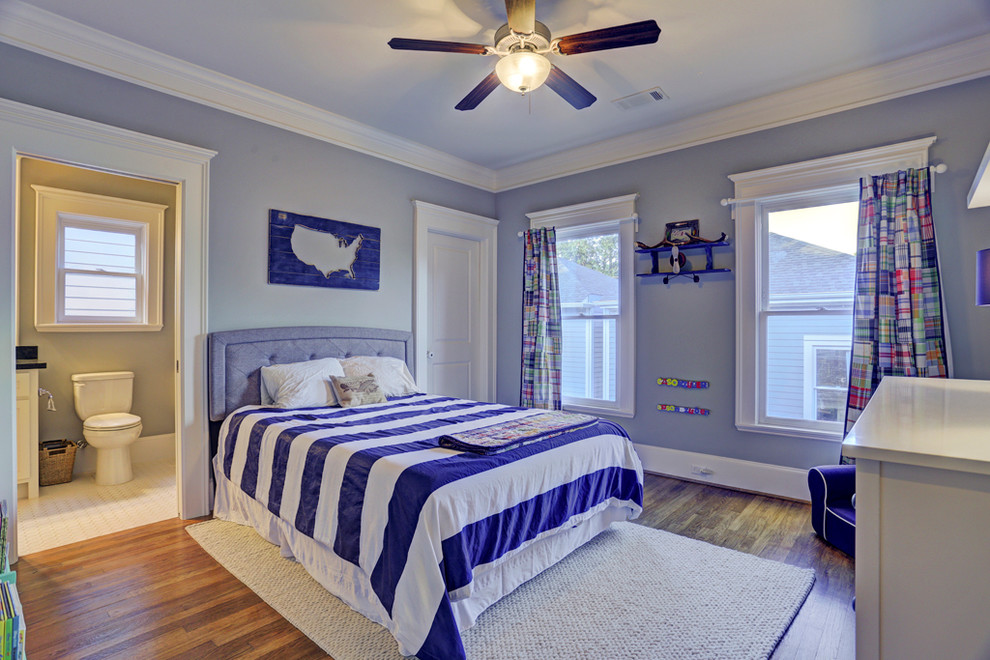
[
  {"x": 455, "y": 295},
  {"x": 453, "y": 335}
]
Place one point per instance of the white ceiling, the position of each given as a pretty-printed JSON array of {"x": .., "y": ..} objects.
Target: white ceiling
[{"x": 332, "y": 55}]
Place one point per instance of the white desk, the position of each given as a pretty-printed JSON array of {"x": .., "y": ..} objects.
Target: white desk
[{"x": 922, "y": 450}]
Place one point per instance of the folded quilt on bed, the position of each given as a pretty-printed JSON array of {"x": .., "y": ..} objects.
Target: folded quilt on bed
[{"x": 515, "y": 433}]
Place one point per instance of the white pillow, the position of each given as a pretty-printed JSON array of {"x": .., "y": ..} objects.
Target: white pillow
[
  {"x": 300, "y": 384},
  {"x": 391, "y": 373}
]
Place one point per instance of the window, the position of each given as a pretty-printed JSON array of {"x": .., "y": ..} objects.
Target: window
[
  {"x": 826, "y": 377},
  {"x": 807, "y": 292},
  {"x": 795, "y": 277},
  {"x": 595, "y": 273},
  {"x": 99, "y": 262},
  {"x": 588, "y": 272}
]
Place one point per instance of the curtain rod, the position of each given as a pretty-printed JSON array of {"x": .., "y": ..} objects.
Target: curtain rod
[{"x": 941, "y": 168}]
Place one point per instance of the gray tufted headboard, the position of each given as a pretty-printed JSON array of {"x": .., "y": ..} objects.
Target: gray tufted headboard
[{"x": 236, "y": 356}]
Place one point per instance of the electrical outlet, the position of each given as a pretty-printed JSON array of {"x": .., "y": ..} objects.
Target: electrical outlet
[{"x": 702, "y": 470}]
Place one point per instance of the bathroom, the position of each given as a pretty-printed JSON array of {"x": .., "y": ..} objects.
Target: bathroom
[{"x": 81, "y": 508}]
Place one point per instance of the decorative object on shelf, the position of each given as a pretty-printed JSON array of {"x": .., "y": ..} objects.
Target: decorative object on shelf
[
  {"x": 678, "y": 267},
  {"x": 680, "y": 382},
  {"x": 677, "y": 260},
  {"x": 667, "y": 407},
  {"x": 309, "y": 251},
  {"x": 684, "y": 231}
]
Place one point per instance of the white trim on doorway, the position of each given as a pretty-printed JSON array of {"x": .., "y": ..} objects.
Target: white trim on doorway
[
  {"x": 29, "y": 131},
  {"x": 430, "y": 218}
]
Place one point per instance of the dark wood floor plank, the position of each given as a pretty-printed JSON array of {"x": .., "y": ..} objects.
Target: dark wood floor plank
[{"x": 152, "y": 592}]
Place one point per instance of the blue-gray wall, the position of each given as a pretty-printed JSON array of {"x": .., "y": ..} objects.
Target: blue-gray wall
[
  {"x": 260, "y": 167},
  {"x": 686, "y": 330}
]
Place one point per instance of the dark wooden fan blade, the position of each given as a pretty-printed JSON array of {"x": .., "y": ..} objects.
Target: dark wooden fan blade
[
  {"x": 620, "y": 36},
  {"x": 569, "y": 89},
  {"x": 479, "y": 93},
  {"x": 521, "y": 15},
  {"x": 440, "y": 46}
]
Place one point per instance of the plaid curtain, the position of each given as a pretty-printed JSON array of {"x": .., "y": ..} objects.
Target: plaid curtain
[
  {"x": 897, "y": 313},
  {"x": 541, "y": 322}
]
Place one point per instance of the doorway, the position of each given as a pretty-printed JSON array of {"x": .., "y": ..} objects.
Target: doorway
[
  {"x": 35, "y": 132},
  {"x": 101, "y": 270},
  {"x": 455, "y": 302}
]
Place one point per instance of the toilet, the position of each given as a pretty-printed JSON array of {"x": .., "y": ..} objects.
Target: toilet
[{"x": 103, "y": 402}]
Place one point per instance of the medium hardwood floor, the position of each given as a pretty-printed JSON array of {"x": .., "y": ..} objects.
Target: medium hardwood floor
[{"x": 152, "y": 592}]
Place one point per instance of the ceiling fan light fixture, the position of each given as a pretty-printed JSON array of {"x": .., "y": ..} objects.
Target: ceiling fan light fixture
[{"x": 522, "y": 71}]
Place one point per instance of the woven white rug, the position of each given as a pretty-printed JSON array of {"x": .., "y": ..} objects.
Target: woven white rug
[{"x": 632, "y": 593}]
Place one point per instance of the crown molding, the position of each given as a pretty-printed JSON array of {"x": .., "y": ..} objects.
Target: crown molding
[
  {"x": 952, "y": 64},
  {"x": 43, "y": 32}
]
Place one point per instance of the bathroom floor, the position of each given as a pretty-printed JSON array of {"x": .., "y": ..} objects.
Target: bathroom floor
[{"x": 81, "y": 510}]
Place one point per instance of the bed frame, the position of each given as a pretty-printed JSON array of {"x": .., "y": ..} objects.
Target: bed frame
[{"x": 236, "y": 356}]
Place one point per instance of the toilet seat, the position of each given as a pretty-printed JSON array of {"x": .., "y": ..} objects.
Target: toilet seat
[{"x": 111, "y": 422}]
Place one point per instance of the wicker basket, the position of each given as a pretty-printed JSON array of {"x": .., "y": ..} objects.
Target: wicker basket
[{"x": 56, "y": 459}]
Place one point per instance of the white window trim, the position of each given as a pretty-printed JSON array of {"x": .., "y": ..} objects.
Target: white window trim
[
  {"x": 592, "y": 217},
  {"x": 56, "y": 203},
  {"x": 770, "y": 186}
]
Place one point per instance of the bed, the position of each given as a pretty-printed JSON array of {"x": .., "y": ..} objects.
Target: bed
[{"x": 417, "y": 537}]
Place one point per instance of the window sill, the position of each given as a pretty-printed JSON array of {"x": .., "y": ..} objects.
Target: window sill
[
  {"x": 792, "y": 432},
  {"x": 98, "y": 327},
  {"x": 594, "y": 410}
]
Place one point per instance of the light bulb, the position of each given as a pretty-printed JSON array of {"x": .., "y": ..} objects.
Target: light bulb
[{"x": 522, "y": 71}]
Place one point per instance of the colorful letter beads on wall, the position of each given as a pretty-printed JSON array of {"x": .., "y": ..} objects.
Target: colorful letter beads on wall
[
  {"x": 666, "y": 407},
  {"x": 680, "y": 382}
]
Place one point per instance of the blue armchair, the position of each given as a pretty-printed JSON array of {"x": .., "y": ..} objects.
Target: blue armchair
[{"x": 833, "y": 510}]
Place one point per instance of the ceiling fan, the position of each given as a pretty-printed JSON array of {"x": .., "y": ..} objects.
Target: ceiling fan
[{"x": 522, "y": 45}]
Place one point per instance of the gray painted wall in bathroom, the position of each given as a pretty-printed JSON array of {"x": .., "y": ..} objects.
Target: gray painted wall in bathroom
[{"x": 150, "y": 355}]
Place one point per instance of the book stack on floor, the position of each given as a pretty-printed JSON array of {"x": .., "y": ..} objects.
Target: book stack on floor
[{"x": 12, "y": 627}]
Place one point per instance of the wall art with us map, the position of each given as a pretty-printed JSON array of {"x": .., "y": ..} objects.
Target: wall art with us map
[{"x": 308, "y": 251}]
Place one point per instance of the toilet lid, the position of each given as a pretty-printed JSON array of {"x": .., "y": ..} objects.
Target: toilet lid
[{"x": 111, "y": 422}]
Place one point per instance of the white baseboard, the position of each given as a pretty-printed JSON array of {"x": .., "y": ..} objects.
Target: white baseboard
[
  {"x": 775, "y": 480},
  {"x": 146, "y": 449}
]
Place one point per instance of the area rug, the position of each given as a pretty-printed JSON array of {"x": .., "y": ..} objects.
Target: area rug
[{"x": 632, "y": 592}]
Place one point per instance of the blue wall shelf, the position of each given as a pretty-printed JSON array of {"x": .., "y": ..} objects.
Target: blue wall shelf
[{"x": 694, "y": 274}]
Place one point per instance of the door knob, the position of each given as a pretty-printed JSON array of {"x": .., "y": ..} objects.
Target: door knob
[{"x": 430, "y": 354}]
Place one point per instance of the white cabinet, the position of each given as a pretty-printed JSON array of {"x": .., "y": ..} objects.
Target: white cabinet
[
  {"x": 922, "y": 450},
  {"x": 27, "y": 432}
]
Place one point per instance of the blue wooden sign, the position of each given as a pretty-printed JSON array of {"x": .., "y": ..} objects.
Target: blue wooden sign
[{"x": 309, "y": 251}]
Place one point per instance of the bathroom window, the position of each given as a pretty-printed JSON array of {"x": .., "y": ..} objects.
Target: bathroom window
[{"x": 99, "y": 262}]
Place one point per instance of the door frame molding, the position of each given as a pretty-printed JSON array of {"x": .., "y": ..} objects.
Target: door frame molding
[
  {"x": 430, "y": 218},
  {"x": 35, "y": 132}
]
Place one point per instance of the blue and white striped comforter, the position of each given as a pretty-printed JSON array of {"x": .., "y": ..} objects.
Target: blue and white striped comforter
[{"x": 372, "y": 484}]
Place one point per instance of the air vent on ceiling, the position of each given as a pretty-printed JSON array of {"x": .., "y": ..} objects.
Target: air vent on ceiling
[{"x": 641, "y": 98}]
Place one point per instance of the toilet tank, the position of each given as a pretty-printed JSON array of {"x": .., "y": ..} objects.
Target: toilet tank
[{"x": 101, "y": 393}]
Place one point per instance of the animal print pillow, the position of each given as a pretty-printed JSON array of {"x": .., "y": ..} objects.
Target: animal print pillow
[{"x": 357, "y": 390}]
